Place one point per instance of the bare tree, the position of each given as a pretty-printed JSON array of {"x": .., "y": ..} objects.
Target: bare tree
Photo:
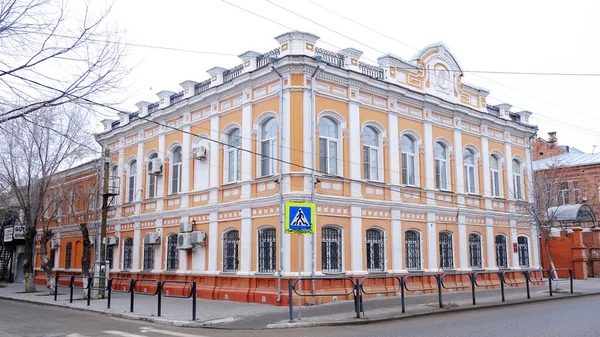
[
  {"x": 32, "y": 151},
  {"x": 50, "y": 57}
]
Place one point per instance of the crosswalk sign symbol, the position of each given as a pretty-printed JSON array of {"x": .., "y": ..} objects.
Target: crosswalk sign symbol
[{"x": 299, "y": 218}]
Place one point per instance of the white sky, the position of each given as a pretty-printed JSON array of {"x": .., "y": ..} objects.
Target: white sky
[{"x": 519, "y": 36}]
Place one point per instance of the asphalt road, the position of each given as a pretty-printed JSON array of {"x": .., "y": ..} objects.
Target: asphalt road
[{"x": 567, "y": 317}]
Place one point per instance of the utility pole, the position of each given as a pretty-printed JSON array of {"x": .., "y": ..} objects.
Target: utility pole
[{"x": 103, "y": 219}]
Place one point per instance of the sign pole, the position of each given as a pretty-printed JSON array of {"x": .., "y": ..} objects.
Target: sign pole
[{"x": 299, "y": 276}]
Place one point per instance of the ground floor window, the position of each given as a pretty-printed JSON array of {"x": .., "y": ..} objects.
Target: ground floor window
[{"x": 331, "y": 249}]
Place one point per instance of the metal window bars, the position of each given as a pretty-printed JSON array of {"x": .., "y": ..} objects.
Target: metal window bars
[
  {"x": 375, "y": 250},
  {"x": 446, "y": 251},
  {"x": 231, "y": 242},
  {"x": 266, "y": 250},
  {"x": 413, "y": 250},
  {"x": 331, "y": 250},
  {"x": 127, "y": 253},
  {"x": 523, "y": 249},
  {"x": 501, "y": 253},
  {"x": 109, "y": 256},
  {"x": 68, "y": 253},
  {"x": 172, "y": 253},
  {"x": 148, "y": 257},
  {"x": 475, "y": 250}
]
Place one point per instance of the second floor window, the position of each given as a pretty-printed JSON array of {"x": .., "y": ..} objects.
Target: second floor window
[
  {"x": 176, "y": 170},
  {"x": 233, "y": 155},
  {"x": 370, "y": 153},
  {"x": 152, "y": 178},
  {"x": 469, "y": 162},
  {"x": 517, "y": 179},
  {"x": 563, "y": 194},
  {"x": 131, "y": 175},
  {"x": 328, "y": 145},
  {"x": 268, "y": 142},
  {"x": 441, "y": 166},
  {"x": 495, "y": 175},
  {"x": 408, "y": 160}
]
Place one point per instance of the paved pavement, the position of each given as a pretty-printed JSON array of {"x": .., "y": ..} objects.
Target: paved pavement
[{"x": 234, "y": 315}]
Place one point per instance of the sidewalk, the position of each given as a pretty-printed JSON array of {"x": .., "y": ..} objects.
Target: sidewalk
[{"x": 234, "y": 315}]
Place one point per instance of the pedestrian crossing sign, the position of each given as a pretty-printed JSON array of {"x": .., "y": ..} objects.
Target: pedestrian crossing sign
[{"x": 300, "y": 218}]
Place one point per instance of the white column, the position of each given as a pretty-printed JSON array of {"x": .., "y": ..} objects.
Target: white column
[
  {"x": 120, "y": 172},
  {"x": 458, "y": 160},
  {"x": 487, "y": 183},
  {"x": 429, "y": 173},
  {"x": 158, "y": 256},
  {"x": 287, "y": 141},
  {"x": 355, "y": 150},
  {"x": 513, "y": 241},
  {"x": 246, "y": 142},
  {"x": 395, "y": 168},
  {"x": 160, "y": 180},
  {"x": 137, "y": 247},
  {"x": 213, "y": 241},
  {"x": 508, "y": 161},
  {"x": 534, "y": 243},
  {"x": 432, "y": 249},
  {"x": 396, "y": 241},
  {"x": 490, "y": 243},
  {"x": 215, "y": 171},
  {"x": 306, "y": 138},
  {"x": 183, "y": 261},
  {"x": 246, "y": 242},
  {"x": 185, "y": 165},
  {"x": 356, "y": 240},
  {"x": 463, "y": 243},
  {"x": 139, "y": 189}
]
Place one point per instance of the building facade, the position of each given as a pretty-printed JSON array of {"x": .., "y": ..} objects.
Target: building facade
[{"x": 413, "y": 172}]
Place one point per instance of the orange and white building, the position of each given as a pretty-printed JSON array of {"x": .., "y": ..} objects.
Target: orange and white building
[{"x": 414, "y": 172}]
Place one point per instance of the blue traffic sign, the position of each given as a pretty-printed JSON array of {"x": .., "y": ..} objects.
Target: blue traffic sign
[{"x": 300, "y": 218}]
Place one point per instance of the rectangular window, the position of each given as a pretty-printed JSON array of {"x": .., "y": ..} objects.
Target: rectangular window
[
  {"x": 446, "y": 251},
  {"x": 175, "y": 181},
  {"x": 441, "y": 177},
  {"x": 576, "y": 193},
  {"x": 230, "y": 251},
  {"x": 152, "y": 186},
  {"x": 266, "y": 250},
  {"x": 331, "y": 250},
  {"x": 131, "y": 189},
  {"x": 148, "y": 257},
  {"x": 333, "y": 158},
  {"x": 470, "y": 179},
  {"x": 265, "y": 152},
  {"x": 563, "y": 194},
  {"x": 375, "y": 250},
  {"x": 413, "y": 250},
  {"x": 408, "y": 169},
  {"x": 495, "y": 183}
]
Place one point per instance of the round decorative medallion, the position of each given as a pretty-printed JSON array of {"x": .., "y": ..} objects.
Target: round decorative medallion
[{"x": 442, "y": 77}]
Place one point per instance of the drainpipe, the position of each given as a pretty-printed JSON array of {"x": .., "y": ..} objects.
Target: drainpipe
[
  {"x": 281, "y": 205},
  {"x": 313, "y": 262}
]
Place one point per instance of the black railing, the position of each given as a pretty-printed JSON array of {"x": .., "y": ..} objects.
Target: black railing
[
  {"x": 492, "y": 110},
  {"x": 232, "y": 73},
  {"x": 114, "y": 124},
  {"x": 202, "y": 86},
  {"x": 330, "y": 57},
  {"x": 133, "y": 116},
  {"x": 371, "y": 71},
  {"x": 262, "y": 60},
  {"x": 176, "y": 97},
  {"x": 153, "y": 107}
]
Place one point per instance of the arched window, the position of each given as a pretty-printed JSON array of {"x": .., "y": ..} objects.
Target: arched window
[
  {"x": 267, "y": 251},
  {"x": 370, "y": 153},
  {"x": 441, "y": 166},
  {"x": 495, "y": 172},
  {"x": 68, "y": 254},
  {"x": 375, "y": 250},
  {"x": 148, "y": 257},
  {"x": 446, "y": 251},
  {"x": 231, "y": 242},
  {"x": 131, "y": 174},
  {"x": 172, "y": 253},
  {"x": 268, "y": 143},
  {"x": 523, "y": 248},
  {"x": 517, "y": 179},
  {"x": 328, "y": 145},
  {"x": 475, "y": 251},
  {"x": 233, "y": 155},
  {"x": 408, "y": 160},
  {"x": 413, "y": 250},
  {"x": 176, "y": 170},
  {"x": 152, "y": 186},
  {"x": 331, "y": 249},
  {"x": 501, "y": 252},
  {"x": 469, "y": 162},
  {"x": 127, "y": 253},
  {"x": 109, "y": 256}
]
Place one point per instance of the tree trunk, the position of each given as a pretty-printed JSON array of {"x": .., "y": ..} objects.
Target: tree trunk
[
  {"x": 46, "y": 263},
  {"x": 86, "y": 256},
  {"x": 29, "y": 263},
  {"x": 547, "y": 249}
]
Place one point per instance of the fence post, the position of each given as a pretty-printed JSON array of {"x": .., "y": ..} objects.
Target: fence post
[
  {"x": 438, "y": 279},
  {"x": 56, "y": 286},
  {"x": 550, "y": 281},
  {"x": 194, "y": 301},
  {"x": 472, "y": 277},
  {"x": 571, "y": 279},
  {"x": 71, "y": 281},
  {"x": 132, "y": 292},
  {"x": 502, "y": 285},
  {"x": 89, "y": 290},
  {"x": 109, "y": 293},
  {"x": 290, "y": 294},
  {"x": 357, "y": 298},
  {"x": 402, "y": 284},
  {"x": 527, "y": 284},
  {"x": 158, "y": 292}
]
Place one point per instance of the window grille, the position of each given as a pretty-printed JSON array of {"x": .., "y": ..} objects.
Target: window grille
[
  {"x": 52, "y": 257},
  {"x": 231, "y": 241},
  {"x": 109, "y": 256},
  {"x": 523, "y": 248},
  {"x": 375, "y": 250},
  {"x": 475, "y": 250},
  {"x": 267, "y": 250},
  {"x": 68, "y": 253},
  {"x": 331, "y": 250},
  {"x": 446, "y": 252},
  {"x": 127, "y": 253},
  {"x": 172, "y": 253},
  {"x": 413, "y": 250},
  {"x": 501, "y": 254},
  {"x": 148, "y": 257}
]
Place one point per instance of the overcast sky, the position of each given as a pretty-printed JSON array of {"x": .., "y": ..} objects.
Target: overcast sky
[{"x": 506, "y": 36}]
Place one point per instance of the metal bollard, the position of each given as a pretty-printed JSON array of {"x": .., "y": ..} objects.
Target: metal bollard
[
  {"x": 473, "y": 277},
  {"x": 527, "y": 284},
  {"x": 402, "y": 285},
  {"x": 438, "y": 279},
  {"x": 502, "y": 285},
  {"x": 290, "y": 294},
  {"x": 550, "y": 281},
  {"x": 72, "y": 280},
  {"x": 56, "y": 286},
  {"x": 109, "y": 293},
  {"x": 357, "y": 299},
  {"x": 158, "y": 293},
  {"x": 89, "y": 290},
  {"x": 193, "y": 301},
  {"x": 571, "y": 279},
  {"x": 132, "y": 292}
]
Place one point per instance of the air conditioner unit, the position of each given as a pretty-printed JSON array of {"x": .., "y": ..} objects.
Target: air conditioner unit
[
  {"x": 184, "y": 241},
  {"x": 152, "y": 238},
  {"x": 199, "y": 153},
  {"x": 54, "y": 244},
  {"x": 199, "y": 238},
  {"x": 185, "y": 227},
  {"x": 155, "y": 167},
  {"x": 113, "y": 240}
]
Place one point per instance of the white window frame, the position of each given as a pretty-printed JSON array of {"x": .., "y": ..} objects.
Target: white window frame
[
  {"x": 471, "y": 186},
  {"x": 150, "y": 192},
  {"x": 564, "y": 198},
  {"x": 518, "y": 179},
  {"x": 232, "y": 157},
  {"x": 271, "y": 143},
  {"x": 131, "y": 178},
  {"x": 498, "y": 191},
  {"x": 328, "y": 140},
  {"x": 175, "y": 188},
  {"x": 438, "y": 169},
  {"x": 371, "y": 166},
  {"x": 410, "y": 169}
]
